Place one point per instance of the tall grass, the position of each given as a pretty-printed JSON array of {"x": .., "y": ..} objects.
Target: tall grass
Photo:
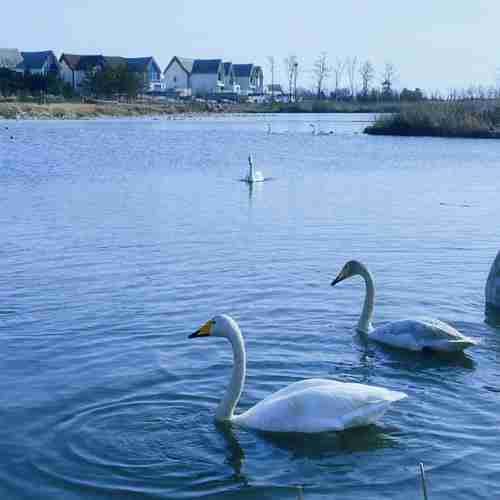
[{"x": 442, "y": 119}]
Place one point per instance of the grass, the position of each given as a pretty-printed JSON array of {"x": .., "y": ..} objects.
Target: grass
[
  {"x": 474, "y": 119},
  {"x": 72, "y": 110}
]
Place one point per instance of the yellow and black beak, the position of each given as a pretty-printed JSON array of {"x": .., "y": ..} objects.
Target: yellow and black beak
[
  {"x": 340, "y": 277},
  {"x": 204, "y": 331}
]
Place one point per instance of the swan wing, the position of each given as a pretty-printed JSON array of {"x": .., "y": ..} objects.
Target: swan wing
[
  {"x": 418, "y": 334},
  {"x": 318, "y": 405}
]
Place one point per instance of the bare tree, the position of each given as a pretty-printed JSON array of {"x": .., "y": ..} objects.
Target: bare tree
[
  {"x": 389, "y": 76},
  {"x": 351, "y": 64},
  {"x": 272, "y": 66},
  {"x": 338, "y": 71},
  {"x": 367, "y": 73},
  {"x": 321, "y": 71},
  {"x": 291, "y": 66}
]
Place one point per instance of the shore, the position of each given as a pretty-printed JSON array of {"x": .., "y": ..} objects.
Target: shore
[{"x": 75, "y": 111}]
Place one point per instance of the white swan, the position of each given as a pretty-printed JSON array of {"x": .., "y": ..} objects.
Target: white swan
[
  {"x": 319, "y": 132},
  {"x": 412, "y": 334},
  {"x": 253, "y": 175},
  {"x": 313, "y": 405}
]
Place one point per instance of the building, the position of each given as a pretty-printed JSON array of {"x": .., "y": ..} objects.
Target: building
[
  {"x": 177, "y": 76},
  {"x": 207, "y": 77},
  {"x": 74, "y": 67},
  {"x": 39, "y": 63},
  {"x": 11, "y": 59},
  {"x": 250, "y": 78},
  {"x": 148, "y": 69}
]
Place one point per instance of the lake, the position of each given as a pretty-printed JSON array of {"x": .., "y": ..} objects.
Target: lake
[{"x": 121, "y": 237}]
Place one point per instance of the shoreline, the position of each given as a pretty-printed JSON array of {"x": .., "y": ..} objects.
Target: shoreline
[{"x": 88, "y": 111}]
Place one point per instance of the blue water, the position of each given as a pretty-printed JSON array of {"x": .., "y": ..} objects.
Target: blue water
[{"x": 121, "y": 237}]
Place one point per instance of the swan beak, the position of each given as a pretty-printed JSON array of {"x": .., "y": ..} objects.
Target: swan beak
[
  {"x": 340, "y": 277},
  {"x": 204, "y": 331}
]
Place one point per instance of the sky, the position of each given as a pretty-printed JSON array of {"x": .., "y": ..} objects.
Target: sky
[{"x": 433, "y": 44}]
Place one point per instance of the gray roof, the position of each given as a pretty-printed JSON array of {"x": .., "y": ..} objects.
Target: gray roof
[
  {"x": 36, "y": 60},
  {"x": 82, "y": 62},
  {"x": 10, "y": 58},
  {"x": 206, "y": 66},
  {"x": 186, "y": 64},
  {"x": 242, "y": 70}
]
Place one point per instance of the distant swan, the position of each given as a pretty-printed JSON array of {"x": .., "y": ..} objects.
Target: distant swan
[
  {"x": 319, "y": 132},
  {"x": 313, "y": 405},
  {"x": 412, "y": 334},
  {"x": 253, "y": 175}
]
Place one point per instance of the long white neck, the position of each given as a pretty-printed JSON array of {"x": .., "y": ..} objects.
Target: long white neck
[
  {"x": 228, "y": 403},
  {"x": 250, "y": 170},
  {"x": 365, "y": 320}
]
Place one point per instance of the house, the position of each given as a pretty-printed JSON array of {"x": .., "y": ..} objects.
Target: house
[
  {"x": 11, "y": 59},
  {"x": 148, "y": 69},
  {"x": 250, "y": 78},
  {"x": 207, "y": 77},
  {"x": 275, "y": 91},
  {"x": 73, "y": 67},
  {"x": 230, "y": 85},
  {"x": 39, "y": 63},
  {"x": 177, "y": 76}
]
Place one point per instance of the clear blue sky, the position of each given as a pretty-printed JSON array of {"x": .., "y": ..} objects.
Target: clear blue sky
[{"x": 432, "y": 43}]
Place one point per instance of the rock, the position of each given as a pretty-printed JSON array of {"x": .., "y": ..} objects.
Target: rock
[{"x": 492, "y": 293}]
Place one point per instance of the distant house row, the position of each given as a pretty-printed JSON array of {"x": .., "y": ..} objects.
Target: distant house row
[
  {"x": 188, "y": 77},
  {"x": 183, "y": 77}
]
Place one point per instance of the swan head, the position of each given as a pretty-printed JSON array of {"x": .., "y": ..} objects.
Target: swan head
[
  {"x": 351, "y": 268},
  {"x": 221, "y": 325}
]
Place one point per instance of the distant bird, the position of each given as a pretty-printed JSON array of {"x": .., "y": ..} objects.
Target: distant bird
[
  {"x": 412, "y": 334},
  {"x": 269, "y": 132},
  {"x": 253, "y": 175}
]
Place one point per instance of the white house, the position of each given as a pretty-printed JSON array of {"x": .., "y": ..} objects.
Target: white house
[
  {"x": 177, "y": 76},
  {"x": 250, "y": 78},
  {"x": 207, "y": 77}
]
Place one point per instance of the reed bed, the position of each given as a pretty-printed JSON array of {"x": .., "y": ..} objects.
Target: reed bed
[{"x": 442, "y": 119}]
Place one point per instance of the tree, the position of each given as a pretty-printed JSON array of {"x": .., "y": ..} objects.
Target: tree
[
  {"x": 366, "y": 72},
  {"x": 338, "y": 71},
  {"x": 291, "y": 66},
  {"x": 351, "y": 64},
  {"x": 272, "y": 66},
  {"x": 388, "y": 79},
  {"x": 321, "y": 71}
]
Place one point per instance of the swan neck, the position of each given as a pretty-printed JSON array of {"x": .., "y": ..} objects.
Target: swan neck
[
  {"x": 365, "y": 320},
  {"x": 225, "y": 410},
  {"x": 250, "y": 171}
]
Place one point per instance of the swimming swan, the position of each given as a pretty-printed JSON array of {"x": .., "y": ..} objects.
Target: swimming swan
[
  {"x": 313, "y": 405},
  {"x": 319, "y": 132},
  {"x": 412, "y": 334},
  {"x": 253, "y": 175}
]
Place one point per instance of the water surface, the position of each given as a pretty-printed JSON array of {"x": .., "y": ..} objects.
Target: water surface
[{"x": 120, "y": 237}]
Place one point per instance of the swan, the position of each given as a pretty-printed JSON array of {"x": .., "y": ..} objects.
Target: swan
[
  {"x": 313, "y": 405},
  {"x": 319, "y": 132},
  {"x": 253, "y": 175},
  {"x": 412, "y": 334}
]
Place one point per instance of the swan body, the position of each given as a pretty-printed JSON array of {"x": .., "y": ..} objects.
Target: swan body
[
  {"x": 319, "y": 132},
  {"x": 412, "y": 334},
  {"x": 253, "y": 175},
  {"x": 313, "y": 405}
]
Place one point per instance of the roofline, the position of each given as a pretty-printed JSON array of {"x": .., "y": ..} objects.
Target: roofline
[{"x": 175, "y": 58}]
